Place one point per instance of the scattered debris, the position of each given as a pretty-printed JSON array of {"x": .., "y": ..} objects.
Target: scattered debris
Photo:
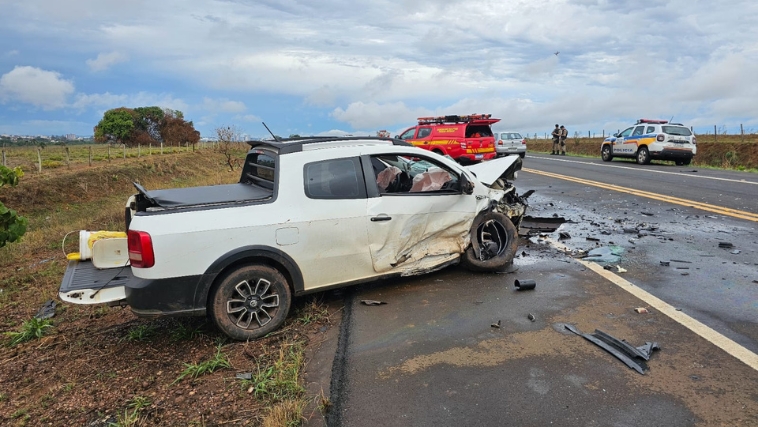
[
  {"x": 608, "y": 267},
  {"x": 665, "y": 263},
  {"x": 725, "y": 245},
  {"x": 620, "y": 270},
  {"x": 678, "y": 309},
  {"x": 564, "y": 235},
  {"x": 245, "y": 376},
  {"x": 523, "y": 285},
  {"x": 646, "y": 213},
  {"x": 641, "y": 310},
  {"x": 478, "y": 302},
  {"x": 685, "y": 274},
  {"x": 735, "y": 252},
  {"x": 630, "y": 230},
  {"x": 535, "y": 225},
  {"x": 620, "y": 349},
  {"x": 682, "y": 268},
  {"x": 593, "y": 239},
  {"x": 755, "y": 281},
  {"x": 679, "y": 260},
  {"x": 46, "y": 311},
  {"x": 531, "y": 317},
  {"x": 496, "y": 325},
  {"x": 372, "y": 302},
  {"x": 605, "y": 254}
]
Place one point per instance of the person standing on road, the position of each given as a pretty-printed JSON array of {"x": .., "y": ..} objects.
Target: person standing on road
[
  {"x": 556, "y": 138},
  {"x": 564, "y": 135}
]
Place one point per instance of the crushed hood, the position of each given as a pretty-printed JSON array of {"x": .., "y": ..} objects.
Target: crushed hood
[{"x": 490, "y": 171}]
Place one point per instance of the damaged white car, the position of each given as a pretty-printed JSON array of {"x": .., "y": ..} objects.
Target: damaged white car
[{"x": 307, "y": 215}]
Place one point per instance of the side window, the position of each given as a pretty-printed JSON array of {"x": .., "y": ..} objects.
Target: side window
[
  {"x": 398, "y": 175},
  {"x": 423, "y": 132},
  {"x": 408, "y": 134},
  {"x": 626, "y": 132},
  {"x": 334, "y": 179},
  {"x": 639, "y": 130},
  {"x": 650, "y": 129}
]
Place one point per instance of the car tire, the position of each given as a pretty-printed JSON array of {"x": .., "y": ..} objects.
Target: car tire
[
  {"x": 497, "y": 237},
  {"x": 522, "y": 155},
  {"x": 643, "y": 156},
  {"x": 250, "y": 302},
  {"x": 605, "y": 153},
  {"x": 682, "y": 162}
]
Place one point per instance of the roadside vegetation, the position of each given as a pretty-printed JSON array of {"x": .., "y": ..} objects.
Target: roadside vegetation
[{"x": 102, "y": 366}]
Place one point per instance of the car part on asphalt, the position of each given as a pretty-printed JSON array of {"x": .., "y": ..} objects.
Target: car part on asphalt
[
  {"x": 620, "y": 349},
  {"x": 725, "y": 245},
  {"x": 244, "y": 376},
  {"x": 665, "y": 263},
  {"x": 372, "y": 302},
  {"x": 494, "y": 241},
  {"x": 620, "y": 270},
  {"x": 496, "y": 325},
  {"x": 534, "y": 225},
  {"x": 564, "y": 235},
  {"x": 531, "y": 317},
  {"x": 641, "y": 310},
  {"x": 46, "y": 311},
  {"x": 523, "y": 285},
  {"x": 592, "y": 239}
]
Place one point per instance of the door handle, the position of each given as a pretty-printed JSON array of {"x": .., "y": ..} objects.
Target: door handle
[{"x": 380, "y": 218}]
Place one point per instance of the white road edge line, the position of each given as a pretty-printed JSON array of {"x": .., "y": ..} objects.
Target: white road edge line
[
  {"x": 741, "y": 353},
  {"x": 652, "y": 170}
]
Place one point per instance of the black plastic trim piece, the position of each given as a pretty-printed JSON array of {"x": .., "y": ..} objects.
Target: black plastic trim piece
[
  {"x": 294, "y": 145},
  {"x": 163, "y": 296}
]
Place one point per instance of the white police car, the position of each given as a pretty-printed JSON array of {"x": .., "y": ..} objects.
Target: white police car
[{"x": 652, "y": 139}]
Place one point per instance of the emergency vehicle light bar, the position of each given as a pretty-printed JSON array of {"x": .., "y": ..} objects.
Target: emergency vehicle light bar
[
  {"x": 655, "y": 122},
  {"x": 453, "y": 119}
]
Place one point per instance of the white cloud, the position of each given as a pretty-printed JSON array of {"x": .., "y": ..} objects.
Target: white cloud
[
  {"x": 248, "y": 118},
  {"x": 106, "y": 60},
  {"x": 223, "y": 106},
  {"x": 370, "y": 115},
  {"x": 31, "y": 85},
  {"x": 107, "y": 101}
]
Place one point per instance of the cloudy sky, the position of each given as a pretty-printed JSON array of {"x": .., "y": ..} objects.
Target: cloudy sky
[{"x": 310, "y": 67}]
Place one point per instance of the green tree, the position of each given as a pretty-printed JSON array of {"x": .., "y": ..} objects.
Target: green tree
[
  {"x": 116, "y": 126},
  {"x": 12, "y": 225}
]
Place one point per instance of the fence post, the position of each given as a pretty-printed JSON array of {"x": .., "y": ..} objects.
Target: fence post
[
  {"x": 715, "y": 134},
  {"x": 603, "y": 133},
  {"x": 39, "y": 160},
  {"x": 68, "y": 157},
  {"x": 161, "y": 148},
  {"x": 109, "y": 153},
  {"x": 150, "y": 147},
  {"x": 90, "y": 155},
  {"x": 742, "y": 133},
  {"x": 124, "y": 147},
  {"x": 139, "y": 150},
  {"x": 4, "y": 164},
  {"x": 588, "y": 134}
]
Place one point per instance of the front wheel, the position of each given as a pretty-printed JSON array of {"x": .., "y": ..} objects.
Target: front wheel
[
  {"x": 643, "y": 156},
  {"x": 605, "y": 153},
  {"x": 251, "y": 302},
  {"x": 496, "y": 238}
]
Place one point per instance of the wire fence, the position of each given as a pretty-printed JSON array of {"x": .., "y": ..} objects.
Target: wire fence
[{"x": 720, "y": 133}]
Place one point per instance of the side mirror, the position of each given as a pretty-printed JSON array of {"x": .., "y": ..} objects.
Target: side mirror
[
  {"x": 467, "y": 187},
  {"x": 615, "y": 135},
  {"x": 397, "y": 137}
]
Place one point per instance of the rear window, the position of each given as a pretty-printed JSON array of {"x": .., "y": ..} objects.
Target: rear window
[
  {"x": 335, "y": 179},
  {"x": 476, "y": 131},
  {"x": 677, "y": 130},
  {"x": 512, "y": 135},
  {"x": 260, "y": 169}
]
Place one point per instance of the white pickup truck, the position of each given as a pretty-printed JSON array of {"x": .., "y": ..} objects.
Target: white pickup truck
[{"x": 307, "y": 215}]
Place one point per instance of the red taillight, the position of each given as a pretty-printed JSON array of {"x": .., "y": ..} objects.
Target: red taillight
[
  {"x": 500, "y": 142},
  {"x": 140, "y": 249},
  {"x": 523, "y": 142},
  {"x": 660, "y": 137}
]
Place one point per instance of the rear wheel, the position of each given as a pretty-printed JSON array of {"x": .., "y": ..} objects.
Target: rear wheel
[
  {"x": 643, "y": 156},
  {"x": 497, "y": 240},
  {"x": 605, "y": 153},
  {"x": 522, "y": 155},
  {"x": 251, "y": 302}
]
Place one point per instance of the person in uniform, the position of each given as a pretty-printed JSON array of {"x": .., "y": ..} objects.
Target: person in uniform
[
  {"x": 564, "y": 135},
  {"x": 556, "y": 139}
]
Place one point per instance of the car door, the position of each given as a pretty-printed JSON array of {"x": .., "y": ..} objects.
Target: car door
[
  {"x": 331, "y": 226},
  {"x": 418, "y": 218},
  {"x": 631, "y": 143},
  {"x": 619, "y": 146}
]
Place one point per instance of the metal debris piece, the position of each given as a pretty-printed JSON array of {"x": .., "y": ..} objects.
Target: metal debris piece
[
  {"x": 630, "y": 230},
  {"x": 496, "y": 325},
  {"x": 685, "y": 274},
  {"x": 46, "y": 311},
  {"x": 478, "y": 302},
  {"x": 620, "y": 270},
  {"x": 682, "y": 268},
  {"x": 646, "y": 213},
  {"x": 641, "y": 310},
  {"x": 245, "y": 376},
  {"x": 620, "y": 349},
  {"x": 679, "y": 260},
  {"x": 735, "y": 252},
  {"x": 665, "y": 263},
  {"x": 372, "y": 302},
  {"x": 531, "y": 317},
  {"x": 725, "y": 245},
  {"x": 593, "y": 239},
  {"x": 755, "y": 281},
  {"x": 608, "y": 267},
  {"x": 564, "y": 235},
  {"x": 523, "y": 285},
  {"x": 542, "y": 224}
]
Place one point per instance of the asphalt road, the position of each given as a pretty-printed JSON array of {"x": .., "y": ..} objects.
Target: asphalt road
[{"x": 431, "y": 356}]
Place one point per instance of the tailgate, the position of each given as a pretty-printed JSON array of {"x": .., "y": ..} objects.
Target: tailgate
[{"x": 84, "y": 284}]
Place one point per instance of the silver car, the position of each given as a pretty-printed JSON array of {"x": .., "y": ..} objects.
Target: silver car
[{"x": 510, "y": 143}]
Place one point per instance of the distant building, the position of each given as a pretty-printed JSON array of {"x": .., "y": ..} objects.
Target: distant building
[{"x": 71, "y": 137}]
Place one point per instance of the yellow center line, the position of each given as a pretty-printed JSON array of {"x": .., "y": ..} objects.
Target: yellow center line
[
  {"x": 741, "y": 353},
  {"x": 669, "y": 199}
]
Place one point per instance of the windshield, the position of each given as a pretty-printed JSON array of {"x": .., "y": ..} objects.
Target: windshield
[{"x": 677, "y": 130}]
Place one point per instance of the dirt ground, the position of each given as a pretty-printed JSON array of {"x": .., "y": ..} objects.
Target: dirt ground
[{"x": 103, "y": 366}]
